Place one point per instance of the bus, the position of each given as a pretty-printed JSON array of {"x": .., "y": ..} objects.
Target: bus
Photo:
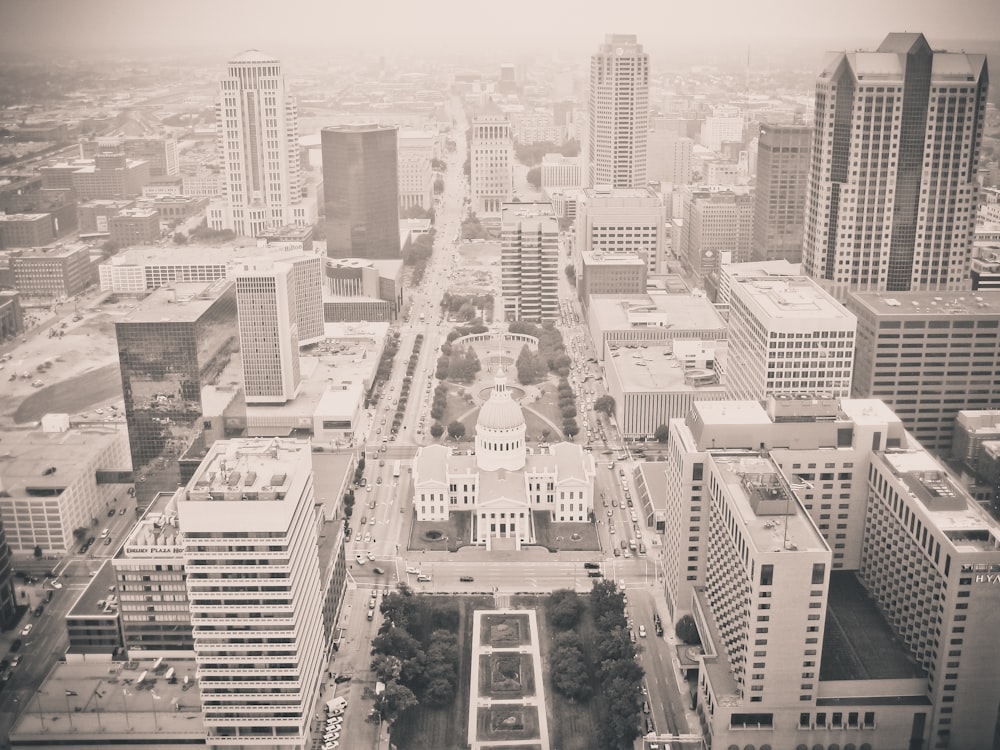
[{"x": 395, "y": 469}]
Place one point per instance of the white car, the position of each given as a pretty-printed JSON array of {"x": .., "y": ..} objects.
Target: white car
[
  {"x": 642, "y": 631},
  {"x": 360, "y": 559},
  {"x": 414, "y": 571},
  {"x": 27, "y": 629}
]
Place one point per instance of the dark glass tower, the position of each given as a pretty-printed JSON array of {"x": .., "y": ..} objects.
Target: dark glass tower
[
  {"x": 360, "y": 182},
  {"x": 175, "y": 343}
]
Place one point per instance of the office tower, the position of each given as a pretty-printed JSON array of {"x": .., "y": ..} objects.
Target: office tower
[
  {"x": 614, "y": 148},
  {"x": 269, "y": 339},
  {"x": 928, "y": 356},
  {"x": 529, "y": 262},
  {"x": 787, "y": 335},
  {"x": 174, "y": 343},
  {"x": 257, "y": 123},
  {"x": 361, "y": 189},
  {"x": 8, "y": 601},
  {"x": 623, "y": 221},
  {"x": 717, "y": 225},
  {"x": 812, "y": 529},
  {"x": 892, "y": 186},
  {"x": 779, "y": 209},
  {"x": 617, "y": 274},
  {"x": 491, "y": 161},
  {"x": 253, "y": 583}
]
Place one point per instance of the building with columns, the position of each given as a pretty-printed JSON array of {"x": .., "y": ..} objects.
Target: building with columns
[{"x": 491, "y": 161}]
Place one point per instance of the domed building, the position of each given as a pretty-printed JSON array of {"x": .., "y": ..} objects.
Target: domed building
[{"x": 502, "y": 482}]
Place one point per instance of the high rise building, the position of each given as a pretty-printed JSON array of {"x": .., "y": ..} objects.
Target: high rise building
[
  {"x": 717, "y": 224},
  {"x": 892, "y": 185},
  {"x": 269, "y": 335},
  {"x": 361, "y": 191},
  {"x": 529, "y": 262},
  {"x": 251, "y": 555},
  {"x": 257, "y": 123},
  {"x": 623, "y": 221},
  {"x": 814, "y": 528},
  {"x": 8, "y": 600},
  {"x": 614, "y": 148},
  {"x": 928, "y": 356},
  {"x": 787, "y": 335},
  {"x": 779, "y": 209},
  {"x": 175, "y": 342},
  {"x": 670, "y": 154},
  {"x": 491, "y": 161}
]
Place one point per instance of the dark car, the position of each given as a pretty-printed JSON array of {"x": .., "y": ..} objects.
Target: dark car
[
  {"x": 90, "y": 540},
  {"x": 342, "y": 678},
  {"x": 649, "y": 725},
  {"x": 38, "y": 610},
  {"x": 595, "y": 574},
  {"x": 466, "y": 579},
  {"x": 592, "y": 566},
  {"x": 15, "y": 644},
  {"x": 645, "y": 707},
  {"x": 378, "y": 571},
  {"x": 111, "y": 512}
]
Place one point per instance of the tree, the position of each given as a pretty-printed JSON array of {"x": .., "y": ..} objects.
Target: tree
[
  {"x": 687, "y": 631},
  {"x": 605, "y": 404},
  {"x": 456, "y": 430},
  {"x": 662, "y": 433},
  {"x": 392, "y": 701},
  {"x": 534, "y": 177},
  {"x": 438, "y": 186},
  {"x": 568, "y": 411},
  {"x": 80, "y": 533},
  {"x": 568, "y": 666},
  {"x": 570, "y": 272},
  {"x": 565, "y": 608},
  {"x": 570, "y": 428},
  {"x": 387, "y": 667},
  {"x": 180, "y": 238},
  {"x": 38, "y": 551},
  {"x": 437, "y": 430}
]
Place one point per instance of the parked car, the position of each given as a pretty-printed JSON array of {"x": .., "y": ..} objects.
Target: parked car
[
  {"x": 592, "y": 566},
  {"x": 342, "y": 678},
  {"x": 378, "y": 571},
  {"x": 594, "y": 574},
  {"x": 466, "y": 579},
  {"x": 26, "y": 629}
]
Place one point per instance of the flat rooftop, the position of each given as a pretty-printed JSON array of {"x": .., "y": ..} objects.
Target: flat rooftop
[
  {"x": 679, "y": 312},
  {"x": 608, "y": 192},
  {"x": 656, "y": 368},
  {"x": 922, "y": 304},
  {"x": 249, "y": 469},
  {"x": 95, "y": 600},
  {"x": 158, "y": 532},
  {"x": 765, "y": 503},
  {"x": 795, "y": 298},
  {"x": 858, "y": 643},
  {"x": 34, "y": 463},
  {"x": 603, "y": 258},
  {"x": 202, "y": 255},
  {"x": 99, "y": 703},
  {"x": 179, "y": 303},
  {"x": 524, "y": 213}
]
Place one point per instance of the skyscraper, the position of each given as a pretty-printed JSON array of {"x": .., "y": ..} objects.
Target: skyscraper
[
  {"x": 173, "y": 344},
  {"x": 257, "y": 124},
  {"x": 780, "y": 197},
  {"x": 361, "y": 188},
  {"x": 251, "y": 556},
  {"x": 491, "y": 161},
  {"x": 529, "y": 262},
  {"x": 892, "y": 185},
  {"x": 618, "y": 114}
]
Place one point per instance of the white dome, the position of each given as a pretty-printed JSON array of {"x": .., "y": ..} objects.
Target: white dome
[{"x": 500, "y": 412}]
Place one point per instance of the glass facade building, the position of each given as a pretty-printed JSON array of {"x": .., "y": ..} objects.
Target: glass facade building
[
  {"x": 361, "y": 185},
  {"x": 168, "y": 350}
]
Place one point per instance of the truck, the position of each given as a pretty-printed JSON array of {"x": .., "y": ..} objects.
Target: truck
[
  {"x": 395, "y": 469},
  {"x": 421, "y": 317}
]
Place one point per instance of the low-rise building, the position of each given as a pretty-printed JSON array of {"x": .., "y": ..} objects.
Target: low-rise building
[
  {"x": 57, "y": 271},
  {"x": 361, "y": 289},
  {"x": 93, "y": 623},
  {"x": 93, "y": 216},
  {"x": 134, "y": 226},
  {"x": 610, "y": 274},
  {"x": 11, "y": 315},
  {"x": 26, "y": 230}
]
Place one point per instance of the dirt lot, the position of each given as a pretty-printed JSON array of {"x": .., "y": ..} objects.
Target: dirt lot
[
  {"x": 478, "y": 269},
  {"x": 83, "y": 373}
]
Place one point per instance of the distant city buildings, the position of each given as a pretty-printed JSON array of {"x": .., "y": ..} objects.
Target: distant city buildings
[
  {"x": 491, "y": 162},
  {"x": 670, "y": 155},
  {"x": 783, "y": 156},
  {"x": 529, "y": 262},
  {"x": 892, "y": 191},
  {"x": 361, "y": 191},
  {"x": 787, "y": 335},
  {"x": 928, "y": 356},
  {"x": 257, "y": 123},
  {"x": 614, "y": 149},
  {"x": 724, "y": 125}
]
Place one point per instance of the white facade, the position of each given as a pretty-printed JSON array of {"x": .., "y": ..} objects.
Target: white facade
[
  {"x": 614, "y": 149},
  {"x": 892, "y": 190},
  {"x": 725, "y": 124},
  {"x": 529, "y": 262},
  {"x": 258, "y": 139},
  {"x": 491, "y": 155},
  {"x": 622, "y": 220},
  {"x": 253, "y": 582},
  {"x": 269, "y": 338},
  {"x": 558, "y": 171},
  {"x": 416, "y": 181},
  {"x": 788, "y": 335}
]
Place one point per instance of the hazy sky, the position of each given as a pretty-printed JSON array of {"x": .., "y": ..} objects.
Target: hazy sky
[{"x": 384, "y": 26}]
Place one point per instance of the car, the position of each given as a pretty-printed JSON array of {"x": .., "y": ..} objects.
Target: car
[
  {"x": 15, "y": 661},
  {"x": 631, "y": 635},
  {"x": 26, "y": 629},
  {"x": 611, "y": 513},
  {"x": 378, "y": 481},
  {"x": 360, "y": 559},
  {"x": 357, "y": 537},
  {"x": 371, "y": 555},
  {"x": 592, "y": 566},
  {"x": 367, "y": 538},
  {"x": 369, "y": 488},
  {"x": 612, "y": 529},
  {"x": 364, "y": 520},
  {"x": 466, "y": 579},
  {"x": 342, "y": 678},
  {"x": 331, "y": 736},
  {"x": 121, "y": 511},
  {"x": 15, "y": 644},
  {"x": 111, "y": 512},
  {"x": 57, "y": 584},
  {"x": 91, "y": 540},
  {"x": 595, "y": 574},
  {"x": 659, "y": 629},
  {"x": 650, "y": 727},
  {"x": 422, "y": 578},
  {"x": 371, "y": 614},
  {"x": 618, "y": 552},
  {"x": 107, "y": 540},
  {"x": 371, "y": 604},
  {"x": 381, "y": 462},
  {"x": 38, "y": 610},
  {"x": 642, "y": 631},
  {"x": 414, "y": 571},
  {"x": 378, "y": 571},
  {"x": 614, "y": 503}
]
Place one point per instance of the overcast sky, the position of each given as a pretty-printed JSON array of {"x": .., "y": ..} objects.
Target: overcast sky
[{"x": 384, "y": 26}]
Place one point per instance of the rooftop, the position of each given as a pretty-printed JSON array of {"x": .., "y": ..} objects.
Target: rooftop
[
  {"x": 922, "y": 304},
  {"x": 186, "y": 255},
  {"x": 607, "y": 192},
  {"x": 794, "y": 298},
  {"x": 23, "y": 217},
  {"x": 99, "y": 597},
  {"x": 101, "y": 703},
  {"x": 660, "y": 368},
  {"x": 601, "y": 258},
  {"x": 180, "y": 302},
  {"x": 769, "y": 510},
  {"x": 524, "y": 212},
  {"x": 157, "y": 532},
  {"x": 678, "y": 312},
  {"x": 248, "y": 470},
  {"x": 37, "y": 464}
]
